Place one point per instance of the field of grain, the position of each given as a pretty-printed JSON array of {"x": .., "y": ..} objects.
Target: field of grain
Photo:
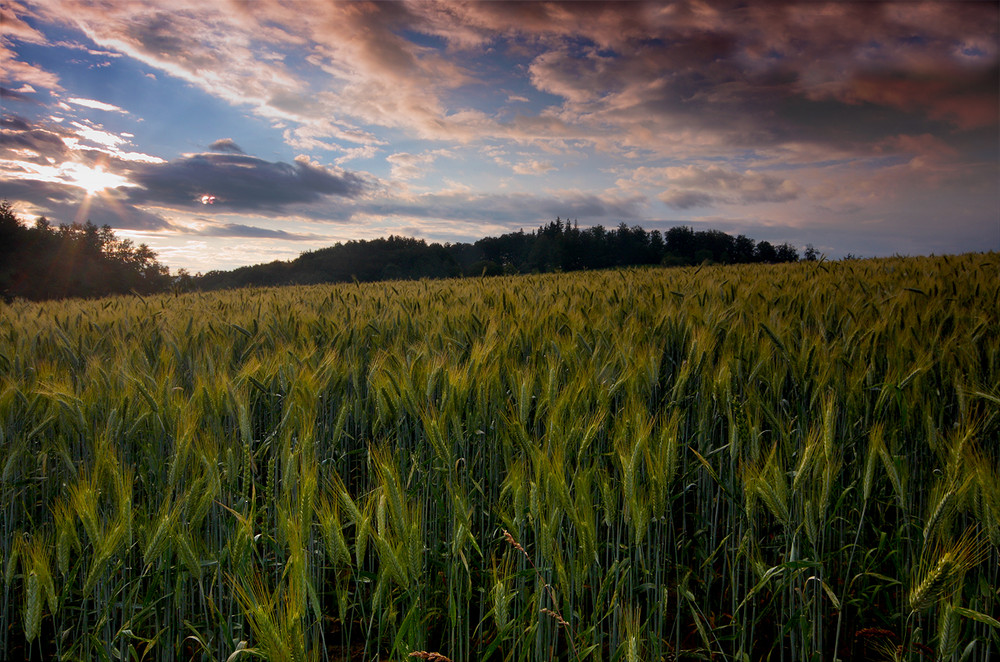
[{"x": 794, "y": 463}]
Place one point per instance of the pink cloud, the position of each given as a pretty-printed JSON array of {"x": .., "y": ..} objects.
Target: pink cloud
[
  {"x": 677, "y": 79},
  {"x": 685, "y": 187},
  {"x": 16, "y": 28},
  {"x": 954, "y": 96},
  {"x": 23, "y": 72}
]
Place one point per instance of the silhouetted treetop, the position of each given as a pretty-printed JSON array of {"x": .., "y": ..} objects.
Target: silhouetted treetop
[
  {"x": 78, "y": 260},
  {"x": 556, "y": 246},
  {"x": 43, "y": 262}
]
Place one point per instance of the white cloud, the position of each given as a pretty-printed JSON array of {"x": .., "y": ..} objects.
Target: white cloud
[{"x": 96, "y": 105}]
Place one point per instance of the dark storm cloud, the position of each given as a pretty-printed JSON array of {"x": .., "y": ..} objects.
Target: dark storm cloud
[{"x": 240, "y": 182}]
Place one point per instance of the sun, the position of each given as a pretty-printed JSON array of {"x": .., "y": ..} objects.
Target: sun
[{"x": 92, "y": 179}]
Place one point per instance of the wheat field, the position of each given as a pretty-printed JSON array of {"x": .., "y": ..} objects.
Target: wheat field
[{"x": 793, "y": 463}]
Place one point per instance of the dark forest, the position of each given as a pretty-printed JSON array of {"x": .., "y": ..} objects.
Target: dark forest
[{"x": 82, "y": 260}]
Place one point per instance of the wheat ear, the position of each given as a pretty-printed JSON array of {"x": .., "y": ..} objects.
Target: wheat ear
[
  {"x": 941, "y": 577},
  {"x": 433, "y": 657}
]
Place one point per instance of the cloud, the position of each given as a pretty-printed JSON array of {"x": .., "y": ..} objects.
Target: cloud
[
  {"x": 103, "y": 143},
  {"x": 768, "y": 74},
  {"x": 23, "y": 140},
  {"x": 53, "y": 142},
  {"x": 512, "y": 210},
  {"x": 964, "y": 99},
  {"x": 226, "y": 146},
  {"x": 72, "y": 45},
  {"x": 319, "y": 134},
  {"x": 96, "y": 105},
  {"x": 98, "y": 136},
  {"x": 413, "y": 166},
  {"x": 241, "y": 182},
  {"x": 50, "y": 165},
  {"x": 681, "y": 199},
  {"x": 64, "y": 203},
  {"x": 239, "y": 230},
  {"x": 372, "y": 72},
  {"x": 607, "y": 24},
  {"x": 694, "y": 186},
  {"x": 16, "y": 28},
  {"x": 24, "y": 72},
  {"x": 676, "y": 78},
  {"x": 12, "y": 14},
  {"x": 533, "y": 167},
  {"x": 17, "y": 95},
  {"x": 14, "y": 123},
  {"x": 525, "y": 167}
]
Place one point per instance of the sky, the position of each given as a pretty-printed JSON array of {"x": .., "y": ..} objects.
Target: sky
[{"x": 230, "y": 132}]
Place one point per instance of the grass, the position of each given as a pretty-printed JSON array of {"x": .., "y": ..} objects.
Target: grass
[{"x": 792, "y": 463}]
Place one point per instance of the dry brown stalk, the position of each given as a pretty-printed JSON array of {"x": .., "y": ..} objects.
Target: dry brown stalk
[
  {"x": 433, "y": 657},
  {"x": 510, "y": 539},
  {"x": 559, "y": 619}
]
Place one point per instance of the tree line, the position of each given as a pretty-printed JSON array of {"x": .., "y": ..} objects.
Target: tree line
[
  {"x": 77, "y": 260},
  {"x": 557, "y": 246},
  {"x": 83, "y": 260}
]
